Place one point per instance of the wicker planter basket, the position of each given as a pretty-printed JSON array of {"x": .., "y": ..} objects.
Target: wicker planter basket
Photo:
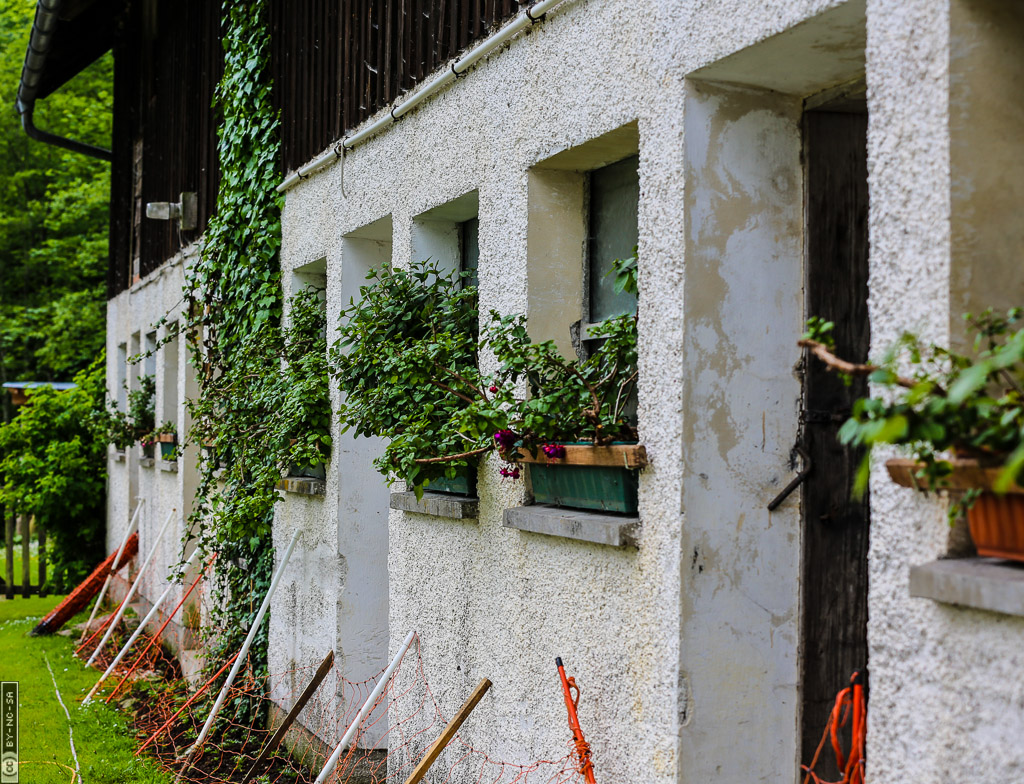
[{"x": 996, "y": 521}]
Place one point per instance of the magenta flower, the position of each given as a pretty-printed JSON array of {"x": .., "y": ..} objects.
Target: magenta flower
[
  {"x": 554, "y": 451},
  {"x": 505, "y": 439}
]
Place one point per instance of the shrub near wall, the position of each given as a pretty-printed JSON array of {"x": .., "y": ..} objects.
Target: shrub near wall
[
  {"x": 407, "y": 364},
  {"x": 54, "y": 464},
  {"x": 263, "y": 402}
]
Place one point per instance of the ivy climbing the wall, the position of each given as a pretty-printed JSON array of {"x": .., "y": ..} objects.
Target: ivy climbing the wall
[{"x": 263, "y": 401}]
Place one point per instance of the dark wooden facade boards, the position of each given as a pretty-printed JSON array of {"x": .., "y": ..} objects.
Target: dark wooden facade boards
[
  {"x": 337, "y": 63},
  {"x": 836, "y": 522},
  {"x": 334, "y": 64},
  {"x": 167, "y": 62}
]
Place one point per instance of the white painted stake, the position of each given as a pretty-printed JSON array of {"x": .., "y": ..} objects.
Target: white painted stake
[
  {"x": 135, "y": 635},
  {"x": 241, "y": 657},
  {"x": 117, "y": 565},
  {"x": 132, "y": 590},
  {"x": 365, "y": 711}
]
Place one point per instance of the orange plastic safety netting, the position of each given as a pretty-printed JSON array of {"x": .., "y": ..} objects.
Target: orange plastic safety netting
[{"x": 400, "y": 727}]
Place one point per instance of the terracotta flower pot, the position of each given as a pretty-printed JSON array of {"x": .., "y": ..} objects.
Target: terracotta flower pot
[
  {"x": 997, "y": 525},
  {"x": 996, "y": 521}
]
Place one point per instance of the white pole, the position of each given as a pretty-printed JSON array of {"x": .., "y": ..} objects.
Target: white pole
[
  {"x": 113, "y": 569},
  {"x": 241, "y": 655},
  {"x": 365, "y": 711},
  {"x": 132, "y": 590},
  {"x": 135, "y": 635}
]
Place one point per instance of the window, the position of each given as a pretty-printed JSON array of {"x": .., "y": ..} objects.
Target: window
[
  {"x": 449, "y": 235},
  {"x": 469, "y": 248},
  {"x": 583, "y": 214},
  {"x": 612, "y": 234},
  {"x": 149, "y": 362},
  {"x": 122, "y": 377},
  {"x": 170, "y": 385}
]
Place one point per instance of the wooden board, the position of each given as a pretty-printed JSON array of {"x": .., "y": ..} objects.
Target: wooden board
[
  {"x": 300, "y": 703},
  {"x": 80, "y": 597},
  {"x": 835, "y": 522},
  {"x": 449, "y": 732},
  {"x": 632, "y": 456},
  {"x": 967, "y": 475},
  {"x": 9, "y": 553},
  {"x": 26, "y": 566}
]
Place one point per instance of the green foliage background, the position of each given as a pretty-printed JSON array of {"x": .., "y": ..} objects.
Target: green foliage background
[
  {"x": 53, "y": 458},
  {"x": 53, "y": 259},
  {"x": 53, "y": 218}
]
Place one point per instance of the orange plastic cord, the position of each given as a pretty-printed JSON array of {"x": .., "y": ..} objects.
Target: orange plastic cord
[
  {"x": 188, "y": 702},
  {"x": 585, "y": 766},
  {"x": 159, "y": 631},
  {"x": 850, "y": 708}
]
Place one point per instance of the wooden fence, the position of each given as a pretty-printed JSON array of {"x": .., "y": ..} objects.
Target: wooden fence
[{"x": 25, "y": 588}]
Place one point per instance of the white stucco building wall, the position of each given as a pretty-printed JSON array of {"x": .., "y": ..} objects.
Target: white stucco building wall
[
  {"x": 687, "y": 647},
  {"x": 164, "y": 488}
]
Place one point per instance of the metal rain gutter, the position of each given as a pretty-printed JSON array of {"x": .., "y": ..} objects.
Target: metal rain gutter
[
  {"x": 43, "y": 28},
  {"x": 528, "y": 17}
]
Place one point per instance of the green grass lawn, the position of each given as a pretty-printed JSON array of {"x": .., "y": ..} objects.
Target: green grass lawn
[{"x": 103, "y": 739}]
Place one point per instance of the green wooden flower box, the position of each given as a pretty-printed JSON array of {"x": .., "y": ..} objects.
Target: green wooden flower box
[
  {"x": 463, "y": 484},
  {"x": 585, "y": 487},
  {"x": 168, "y": 444},
  {"x": 314, "y": 471},
  {"x": 588, "y": 477}
]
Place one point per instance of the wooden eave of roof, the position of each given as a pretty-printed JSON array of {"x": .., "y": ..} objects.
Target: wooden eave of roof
[{"x": 85, "y": 33}]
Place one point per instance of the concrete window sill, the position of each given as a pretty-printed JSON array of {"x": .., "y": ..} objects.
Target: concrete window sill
[
  {"x": 585, "y": 526},
  {"x": 454, "y": 507},
  {"x": 147, "y": 462},
  {"x": 981, "y": 583},
  {"x": 171, "y": 466},
  {"x": 303, "y": 485}
]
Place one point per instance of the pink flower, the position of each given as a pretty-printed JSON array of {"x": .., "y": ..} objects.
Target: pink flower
[
  {"x": 554, "y": 451},
  {"x": 505, "y": 439}
]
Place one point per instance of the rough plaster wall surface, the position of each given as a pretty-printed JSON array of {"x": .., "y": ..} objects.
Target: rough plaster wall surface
[
  {"x": 133, "y": 311},
  {"x": 742, "y": 309},
  {"x": 498, "y": 603},
  {"x": 947, "y": 702},
  {"x": 492, "y": 602},
  {"x": 302, "y": 619}
]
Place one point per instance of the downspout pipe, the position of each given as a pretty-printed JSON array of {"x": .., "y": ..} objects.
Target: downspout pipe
[
  {"x": 529, "y": 16},
  {"x": 43, "y": 29}
]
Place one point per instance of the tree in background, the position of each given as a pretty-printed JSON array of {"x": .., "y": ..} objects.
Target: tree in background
[
  {"x": 53, "y": 219},
  {"x": 53, "y": 458}
]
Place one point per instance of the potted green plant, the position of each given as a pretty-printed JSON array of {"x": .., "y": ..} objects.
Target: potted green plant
[
  {"x": 960, "y": 417},
  {"x": 306, "y": 465},
  {"x": 166, "y": 435},
  {"x": 407, "y": 365},
  {"x": 125, "y": 428}
]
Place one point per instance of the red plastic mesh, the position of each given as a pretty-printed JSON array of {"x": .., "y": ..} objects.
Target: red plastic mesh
[{"x": 405, "y": 721}]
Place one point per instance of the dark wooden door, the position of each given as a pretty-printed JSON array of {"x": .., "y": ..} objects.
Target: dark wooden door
[{"x": 835, "y": 577}]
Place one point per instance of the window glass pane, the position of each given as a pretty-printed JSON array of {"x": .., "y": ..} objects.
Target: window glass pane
[
  {"x": 471, "y": 248},
  {"x": 614, "y": 203}
]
